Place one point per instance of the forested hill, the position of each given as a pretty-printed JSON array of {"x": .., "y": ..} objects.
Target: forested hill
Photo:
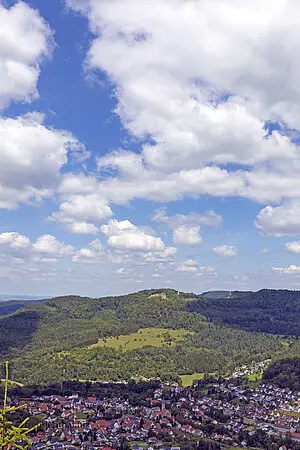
[
  {"x": 268, "y": 311},
  {"x": 154, "y": 333},
  {"x": 284, "y": 373}
]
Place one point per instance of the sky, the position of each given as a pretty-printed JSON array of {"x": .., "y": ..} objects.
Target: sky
[{"x": 148, "y": 144}]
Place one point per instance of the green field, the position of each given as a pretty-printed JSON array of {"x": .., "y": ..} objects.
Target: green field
[
  {"x": 187, "y": 380},
  {"x": 155, "y": 337}
]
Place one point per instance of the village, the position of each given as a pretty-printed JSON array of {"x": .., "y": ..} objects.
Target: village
[{"x": 210, "y": 414}]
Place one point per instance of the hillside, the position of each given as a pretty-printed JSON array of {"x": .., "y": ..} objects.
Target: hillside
[
  {"x": 284, "y": 373},
  {"x": 157, "y": 333},
  {"x": 268, "y": 311}
]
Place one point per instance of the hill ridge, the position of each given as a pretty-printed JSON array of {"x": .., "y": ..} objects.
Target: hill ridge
[{"x": 55, "y": 339}]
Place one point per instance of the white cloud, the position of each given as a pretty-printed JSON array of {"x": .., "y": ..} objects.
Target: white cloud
[
  {"x": 95, "y": 253},
  {"x": 136, "y": 241},
  {"x": 166, "y": 256},
  {"x": 14, "y": 240},
  {"x": 273, "y": 184},
  {"x": 115, "y": 228},
  {"x": 168, "y": 97},
  {"x": 280, "y": 220},
  {"x": 155, "y": 186},
  {"x": 25, "y": 40},
  {"x": 127, "y": 236},
  {"x": 207, "y": 269},
  {"x": 39, "y": 259},
  {"x": 207, "y": 273},
  {"x": 204, "y": 105},
  {"x": 80, "y": 213},
  {"x": 187, "y": 235},
  {"x": 264, "y": 251},
  {"x": 225, "y": 251},
  {"x": 209, "y": 218},
  {"x": 293, "y": 247},
  {"x": 32, "y": 156},
  {"x": 82, "y": 228},
  {"x": 290, "y": 270},
  {"x": 49, "y": 245},
  {"x": 189, "y": 265}
]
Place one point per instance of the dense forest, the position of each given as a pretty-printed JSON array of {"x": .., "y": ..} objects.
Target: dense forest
[
  {"x": 59, "y": 339},
  {"x": 284, "y": 373},
  {"x": 268, "y": 311}
]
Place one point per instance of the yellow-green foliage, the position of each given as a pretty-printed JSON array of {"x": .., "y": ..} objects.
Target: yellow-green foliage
[
  {"x": 155, "y": 337},
  {"x": 255, "y": 376},
  {"x": 188, "y": 380},
  {"x": 12, "y": 436}
]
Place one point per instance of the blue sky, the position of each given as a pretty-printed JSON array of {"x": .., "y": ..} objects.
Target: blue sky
[{"x": 131, "y": 163}]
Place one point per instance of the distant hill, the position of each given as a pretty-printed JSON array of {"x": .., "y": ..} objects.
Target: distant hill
[
  {"x": 113, "y": 338},
  {"x": 7, "y": 298},
  {"x": 223, "y": 294},
  {"x": 268, "y": 311},
  {"x": 9, "y": 307}
]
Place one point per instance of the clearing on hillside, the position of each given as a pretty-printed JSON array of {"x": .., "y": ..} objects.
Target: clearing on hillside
[
  {"x": 188, "y": 380},
  {"x": 155, "y": 337}
]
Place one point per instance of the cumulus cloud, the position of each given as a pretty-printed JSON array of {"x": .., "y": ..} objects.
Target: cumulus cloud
[
  {"x": 187, "y": 235},
  {"x": 18, "y": 253},
  {"x": 207, "y": 271},
  {"x": 176, "y": 98},
  {"x": 80, "y": 213},
  {"x": 32, "y": 156},
  {"x": 25, "y": 40},
  {"x": 127, "y": 236},
  {"x": 156, "y": 186},
  {"x": 168, "y": 255},
  {"x": 186, "y": 228},
  {"x": 203, "y": 106},
  {"x": 189, "y": 265},
  {"x": 49, "y": 245},
  {"x": 95, "y": 253},
  {"x": 290, "y": 270},
  {"x": 280, "y": 220},
  {"x": 82, "y": 228},
  {"x": 293, "y": 247},
  {"x": 31, "y": 153},
  {"x": 209, "y": 218},
  {"x": 14, "y": 240},
  {"x": 225, "y": 251}
]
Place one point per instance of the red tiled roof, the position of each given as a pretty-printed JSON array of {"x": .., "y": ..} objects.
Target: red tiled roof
[{"x": 102, "y": 423}]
